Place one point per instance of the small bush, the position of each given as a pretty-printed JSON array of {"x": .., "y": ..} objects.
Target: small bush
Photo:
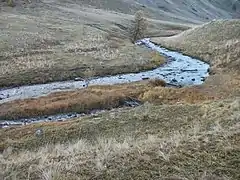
[
  {"x": 157, "y": 82},
  {"x": 139, "y": 26},
  {"x": 10, "y": 3},
  {"x": 157, "y": 58}
]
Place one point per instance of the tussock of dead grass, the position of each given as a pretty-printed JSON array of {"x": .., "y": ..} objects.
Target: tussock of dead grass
[
  {"x": 100, "y": 97},
  {"x": 157, "y": 82},
  {"x": 201, "y": 142},
  {"x": 173, "y": 95},
  {"x": 81, "y": 101}
]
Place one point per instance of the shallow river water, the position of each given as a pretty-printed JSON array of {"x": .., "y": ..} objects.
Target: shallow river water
[{"x": 179, "y": 70}]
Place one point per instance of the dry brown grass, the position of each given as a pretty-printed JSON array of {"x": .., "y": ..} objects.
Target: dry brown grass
[
  {"x": 216, "y": 42},
  {"x": 101, "y": 97},
  {"x": 217, "y": 86},
  {"x": 62, "y": 43},
  {"x": 181, "y": 141},
  {"x": 190, "y": 136},
  {"x": 157, "y": 82},
  {"x": 104, "y": 97},
  {"x": 102, "y": 56}
]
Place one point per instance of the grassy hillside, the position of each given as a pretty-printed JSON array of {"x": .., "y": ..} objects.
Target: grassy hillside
[
  {"x": 148, "y": 142},
  {"x": 177, "y": 134},
  {"x": 45, "y": 42},
  {"x": 217, "y": 42},
  {"x": 181, "y": 10}
]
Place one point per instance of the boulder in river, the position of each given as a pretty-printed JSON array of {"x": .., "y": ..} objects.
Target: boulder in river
[
  {"x": 189, "y": 70},
  {"x": 78, "y": 79},
  {"x": 203, "y": 78},
  {"x": 174, "y": 80}
]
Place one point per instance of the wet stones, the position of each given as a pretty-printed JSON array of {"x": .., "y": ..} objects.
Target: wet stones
[
  {"x": 145, "y": 78},
  {"x": 3, "y": 96},
  {"x": 130, "y": 103},
  {"x": 189, "y": 70},
  {"x": 174, "y": 80},
  {"x": 72, "y": 115},
  {"x": 4, "y": 124},
  {"x": 26, "y": 121},
  {"x": 78, "y": 79},
  {"x": 203, "y": 78}
]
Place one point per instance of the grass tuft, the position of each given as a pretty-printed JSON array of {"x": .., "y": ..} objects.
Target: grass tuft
[{"x": 174, "y": 141}]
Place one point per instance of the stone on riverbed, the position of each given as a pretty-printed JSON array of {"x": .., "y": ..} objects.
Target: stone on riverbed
[{"x": 78, "y": 79}]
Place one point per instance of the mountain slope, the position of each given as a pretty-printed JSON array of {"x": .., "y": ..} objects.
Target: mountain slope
[
  {"x": 182, "y": 10},
  {"x": 216, "y": 42}
]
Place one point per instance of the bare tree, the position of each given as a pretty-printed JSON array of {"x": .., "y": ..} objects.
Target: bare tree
[
  {"x": 10, "y": 3},
  {"x": 139, "y": 26}
]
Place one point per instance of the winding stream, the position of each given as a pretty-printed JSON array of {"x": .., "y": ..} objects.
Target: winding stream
[{"x": 180, "y": 70}]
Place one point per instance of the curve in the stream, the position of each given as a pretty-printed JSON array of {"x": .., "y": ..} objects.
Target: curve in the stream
[{"x": 179, "y": 70}]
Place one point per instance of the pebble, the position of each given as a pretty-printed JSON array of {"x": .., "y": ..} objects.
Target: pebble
[
  {"x": 174, "y": 80},
  {"x": 78, "y": 79}
]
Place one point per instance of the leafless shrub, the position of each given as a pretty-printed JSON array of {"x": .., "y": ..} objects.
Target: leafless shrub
[
  {"x": 139, "y": 26},
  {"x": 157, "y": 82},
  {"x": 10, "y": 3}
]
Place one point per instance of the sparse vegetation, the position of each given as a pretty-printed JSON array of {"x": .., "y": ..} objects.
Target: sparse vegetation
[
  {"x": 99, "y": 97},
  {"x": 185, "y": 133},
  {"x": 148, "y": 142},
  {"x": 107, "y": 97},
  {"x": 55, "y": 53},
  {"x": 216, "y": 42}
]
